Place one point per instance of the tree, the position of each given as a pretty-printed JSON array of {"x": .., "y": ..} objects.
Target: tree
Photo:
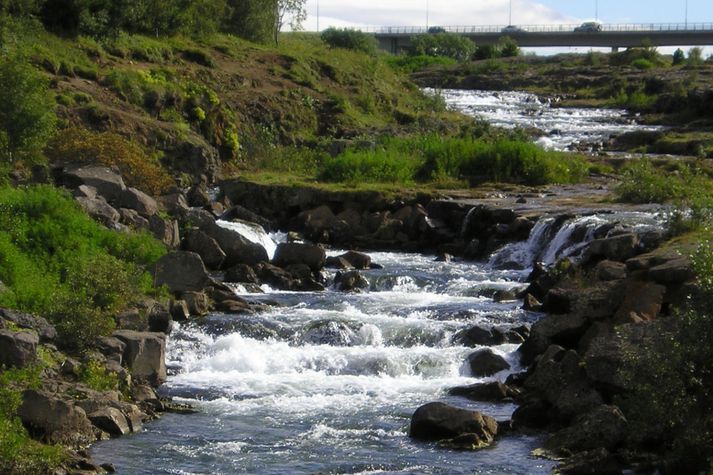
[
  {"x": 292, "y": 9},
  {"x": 508, "y": 47},
  {"x": 678, "y": 57},
  {"x": 253, "y": 20},
  {"x": 450, "y": 45},
  {"x": 27, "y": 118},
  {"x": 695, "y": 56},
  {"x": 350, "y": 39}
]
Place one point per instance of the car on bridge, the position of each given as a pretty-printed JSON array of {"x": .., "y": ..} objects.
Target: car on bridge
[
  {"x": 589, "y": 27},
  {"x": 511, "y": 29}
]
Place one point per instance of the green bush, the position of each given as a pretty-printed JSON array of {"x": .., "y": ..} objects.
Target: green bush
[
  {"x": 678, "y": 57},
  {"x": 58, "y": 263},
  {"x": 641, "y": 63},
  {"x": 410, "y": 64},
  {"x": 449, "y": 45},
  {"x": 97, "y": 377},
  {"x": 350, "y": 39}
]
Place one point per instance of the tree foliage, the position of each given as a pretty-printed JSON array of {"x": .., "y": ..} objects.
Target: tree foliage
[
  {"x": 350, "y": 39},
  {"x": 450, "y": 45},
  {"x": 294, "y": 10}
]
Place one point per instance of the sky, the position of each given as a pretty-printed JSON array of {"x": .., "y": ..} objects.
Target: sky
[{"x": 364, "y": 13}]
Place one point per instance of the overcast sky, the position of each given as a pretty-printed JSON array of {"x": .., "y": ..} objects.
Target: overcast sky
[{"x": 496, "y": 12}]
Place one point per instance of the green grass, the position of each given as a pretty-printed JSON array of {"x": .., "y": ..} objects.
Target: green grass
[
  {"x": 410, "y": 64},
  {"x": 58, "y": 263},
  {"x": 439, "y": 159}
]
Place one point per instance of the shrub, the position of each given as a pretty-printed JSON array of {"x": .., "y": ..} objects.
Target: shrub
[
  {"x": 350, "y": 39},
  {"x": 486, "y": 52},
  {"x": 695, "y": 56},
  {"x": 508, "y": 47},
  {"x": 97, "y": 377},
  {"x": 410, "y": 64},
  {"x": 27, "y": 118},
  {"x": 108, "y": 148},
  {"x": 678, "y": 57},
  {"x": 642, "y": 63},
  {"x": 449, "y": 45}
]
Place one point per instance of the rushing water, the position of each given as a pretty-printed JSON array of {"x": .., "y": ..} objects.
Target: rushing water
[
  {"x": 327, "y": 382},
  {"x": 563, "y": 128}
]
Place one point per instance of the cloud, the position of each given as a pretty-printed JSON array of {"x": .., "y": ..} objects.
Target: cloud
[{"x": 360, "y": 13}]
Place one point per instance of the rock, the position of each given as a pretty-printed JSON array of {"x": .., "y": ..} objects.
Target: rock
[
  {"x": 532, "y": 413},
  {"x": 328, "y": 332},
  {"x": 174, "y": 203},
  {"x": 610, "y": 270},
  {"x": 675, "y": 271},
  {"x": 617, "y": 248},
  {"x": 275, "y": 276},
  {"x": 134, "y": 416},
  {"x": 144, "y": 355},
  {"x": 244, "y": 214},
  {"x": 315, "y": 221},
  {"x": 237, "y": 249},
  {"x": 336, "y": 262},
  {"x": 602, "y": 427},
  {"x": 350, "y": 281},
  {"x": 108, "y": 467},
  {"x": 443, "y": 257},
  {"x": 98, "y": 209},
  {"x": 135, "y": 199},
  {"x": 198, "y": 196},
  {"x": 198, "y": 302},
  {"x": 531, "y": 303},
  {"x": 179, "y": 310},
  {"x": 439, "y": 421},
  {"x": 111, "y": 421},
  {"x": 18, "y": 349},
  {"x": 181, "y": 271},
  {"x": 560, "y": 299},
  {"x": 198, "y": 218},
  {"x": 160, "y": 320},
  {"x": 85, "y": 191},
  {"x": 234, "y": 307},
  {"x": 111, "y": 347},
  {"x": 479, "y": 336},
  {"x": 54, "y": 420},
  {"x": 642, "y": 301},
  {"x": 296, "y": 253},
  {"x": 205, "y": 246},
  {"x": 165, "y": 231},
  {"x": 486, "y": 363},
  {"x": 241, "y": 273},
  {"x": 591, "y": 462},
  {"x": 143, "y": 393},
  {"x": 493, "y": 391},
  {"x": 358, "y": 260},
  {"x": 70, "y": 367},
  {"x": 564, "y": 330},
  {"x": 133, "y": 219},
  {"x": 106, "y": 181},
  {"x": 44, "y": 330}
]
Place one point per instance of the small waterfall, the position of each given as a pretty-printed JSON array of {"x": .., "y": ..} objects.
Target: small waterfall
[
  {"x": 253, "y": 233},
  {"x": 565, "y": 244},
  {"x": 523, "y": 254}
]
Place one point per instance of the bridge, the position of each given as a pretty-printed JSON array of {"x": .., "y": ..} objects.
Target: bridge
[{"x": 398, "y": 38}]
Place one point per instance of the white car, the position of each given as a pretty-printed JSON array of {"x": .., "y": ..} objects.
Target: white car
[{"x": 589, "y": 26}]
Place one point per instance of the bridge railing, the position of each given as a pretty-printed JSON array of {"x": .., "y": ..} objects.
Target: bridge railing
[{"x": 623, "y": 27}]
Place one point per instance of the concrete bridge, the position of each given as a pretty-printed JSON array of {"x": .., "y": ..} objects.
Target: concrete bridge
[{"x": 396, "y": 39}]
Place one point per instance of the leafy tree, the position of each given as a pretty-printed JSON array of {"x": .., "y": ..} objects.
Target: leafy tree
[
  {"x": 27, "y": 118},
  {"x": 508, "y": 47},
  {"x": 254, "y": 20},
  {"x": 292, "y": 9},
  {"x": 678, "y": 57},
  {"x": 350, "y": 39},
  {"x": 486, "y": 52},
  {"x": 450, "y": 45},
  {"x": 695, "y": 56}
]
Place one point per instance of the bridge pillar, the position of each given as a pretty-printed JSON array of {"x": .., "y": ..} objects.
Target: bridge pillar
[{"x": 614, "y": 49}]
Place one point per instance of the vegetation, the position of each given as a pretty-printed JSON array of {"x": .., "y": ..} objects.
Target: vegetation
[
  {"x": 57, "y": 262},
  {"x": 447, "y": 160},
  {"x": 448, "y": 45},
  {"x": 351, "y": 39}
]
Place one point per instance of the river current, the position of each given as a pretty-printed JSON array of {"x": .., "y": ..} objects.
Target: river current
[{"x": 326, "y": 382}]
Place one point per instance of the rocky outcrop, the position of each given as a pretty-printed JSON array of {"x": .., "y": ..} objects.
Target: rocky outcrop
[
  {"x": 237, "y": 249},
  {"x": 107, "y": 181},
  {"x": 54, "y": 420},
  {"x": 45, "y": 331},
  {"x": 493, "y": 391},
  {"x": 205, "y": 246},
  {"x": 486, "y": 363},
  {"x": 350, "y": 281},
  {"x": 440, "y": 422},
  {"x": 181, "y": 271},
  {"x": 291, "y": 253},
  {"x": 144, "y": 355},
  {"x": 18, "y": 349}
]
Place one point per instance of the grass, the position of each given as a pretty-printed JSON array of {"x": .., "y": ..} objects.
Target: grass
[{"x": 58, "y": 263}]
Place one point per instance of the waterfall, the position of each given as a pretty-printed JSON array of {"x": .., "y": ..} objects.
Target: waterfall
[
  {"x": 562, "y": 245},
  {"x": 253, "y": 233},
  {"x": 523, "y": 254}
]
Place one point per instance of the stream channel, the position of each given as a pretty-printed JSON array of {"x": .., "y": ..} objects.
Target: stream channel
[{"x": 327, "y": 381}]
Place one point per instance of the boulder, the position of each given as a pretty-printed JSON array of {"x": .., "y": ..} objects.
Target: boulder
[
  {"x": 144, "y": 355},
  {"x": 198, "y": 302},
  {"x": 174, "y": 203},
  {"x": 290, "y": 253},
  {"x": 616, "y": 248},
  {"x": 602, "y": 427},
  {"x": 350, "y": 281},
  {"x": 275, "y": 276},
  {"x": 160, "y": 320},
  {"x": 244, "y": 214},
  {"x": 479, "y": 336},
  {"x": 111, "y": 421},
  {"x": 111, "y": 347},
  {"x": 358, "y": 260},
  {"x": 18, "y": 349},
  {"x": 486, "y": 363},
  {"x": 234, "y": 307},
  {"x": 54, "y": 420},
  {"x": 135, "y": 199},
  {"x": 165, "y": 230},
  {"x": 179, "y": 310},
  {"x": 564, "y": 330},
  {"x": 315, "y": 221},
  {"x": 205, "y": 246},
  {"x": 675, "y": 271},
  {"x": 181, "y": 271},
  {"x": 493, "y": 391},
  {"x": 610, "y": 270},
  {"x": 590, "y": 462},
  {"x": 642, "y": 301},
  {"x": 328, "y": 332},
  {"x": 241, "y": 273},
  {"x": 198, "y": 196},
  {"x": 106, "y": 181},
  {"x": 336, "y": 262},
  {"x": 44, "y": 330},
  {"x": 237, "y": 249},
  {"x": 99, "y": 210},
  {"x": 133, "y": 219},
  {"x": 439, "y": 421}
]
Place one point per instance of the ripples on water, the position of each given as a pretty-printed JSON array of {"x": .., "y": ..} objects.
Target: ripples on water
[{"x": 328, "y": 381}]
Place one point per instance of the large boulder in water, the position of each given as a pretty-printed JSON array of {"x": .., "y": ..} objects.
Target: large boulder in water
[
  {"x": 181, "y": 271},
  {"x": 144, "y": 355},
  {"x": 291, "y": 253},
  {"x": 439, "y": 421},
  {"x": 238, "y": 249},
  {"x": 328, "y": 332},
  {"x": 486, "y": 363},
  {"x": 492, "y": 391},
  {"x": 205, "y": 246},
  {"x": 350, "y": 281}
]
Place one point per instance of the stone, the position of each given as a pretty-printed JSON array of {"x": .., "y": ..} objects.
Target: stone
[
  {"x": 111, "y": 421},
  {"x": 275, "y": 276},
  {"x": 565, "y": 330},
  {"x": 106, "y": 181},
  {"x": 486, "y": 363},
  {"x": 336, "y": 262},
  {"x": 591, "y": 462},
  {"x": 350, "y": 281},
  {"x": 241, "y": 273},
  {"x": 642, "y": 301},
  {"x": 479, "y": 336},
  {"x": 99, "y": 210},
  {"x": 290, "y": 253},
  {"x": 610, "y": 270},
  {"x": 602, "y": 427},
  {"x": 358, "y": 260},
  {"x": 237, "y": 249},
  {"x": 144, "y": 355},
  {"x": 439, "y": 421},
  {"x": 616, "y": 248},
  {"x": 198, "y": 302},
  {"x": 18, "y": 349},
  {"x": 143, "y": 393},
  {"x": 532, "y": 413},
  {"x": 675, "y": 271},
  {"x": 181, "y": 271},
  {"x": 174, "y": 203},
  {"x": 234, "y": 307},
  {"x": 198, "y": 196},
  {"x": 160, "y": 320},
  {"x": 54, "y": 420},
  {"x": 315, "y": 221},
  {"x": 111, "y": 347},
  {"x": 205, "y": 246},
  {"x": 493, "y": 391},
  {"x": 133, "y": 219},
  {"x": 244, "y": 214},
  {"x": 44, "y": 330},
  {"x": 179, "y": 310},
  {"x": 165, "y": 230},
  {"x": 135, "y": 199}
]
